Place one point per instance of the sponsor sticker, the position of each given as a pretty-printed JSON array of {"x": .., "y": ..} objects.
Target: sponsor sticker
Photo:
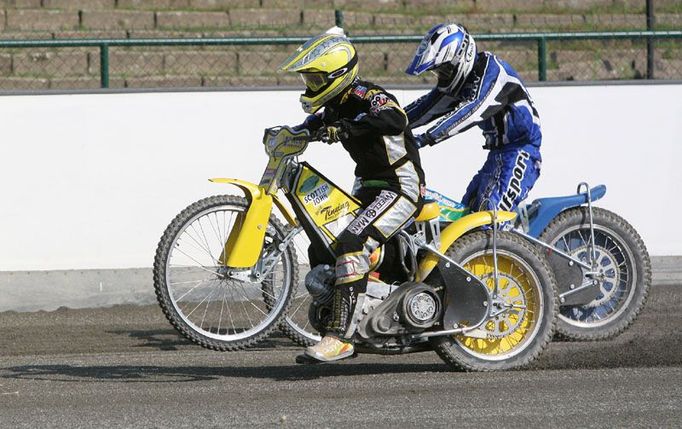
[
  {"x": 381, "y": 101},
  {"x": 372, "y": 212},
  {"x": 308, "y": 184},
  {"x": 331, "y": 213},
  {"x": 514, "y": 186},
  {"x": 360, "y": 91},
  {"x": 318, "y": 195}
]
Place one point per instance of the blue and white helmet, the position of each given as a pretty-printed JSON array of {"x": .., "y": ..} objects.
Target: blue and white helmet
[{"x": 449, "y": 51}]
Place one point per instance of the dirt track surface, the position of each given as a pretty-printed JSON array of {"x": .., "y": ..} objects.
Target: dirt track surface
[{"x": 126, "y": 367}]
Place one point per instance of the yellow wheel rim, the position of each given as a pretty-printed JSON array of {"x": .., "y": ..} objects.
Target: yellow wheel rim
[{"x": 518, "y": 295}]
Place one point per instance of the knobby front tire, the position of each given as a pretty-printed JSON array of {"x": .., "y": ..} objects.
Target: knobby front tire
[{"x": 192, "y": 286}]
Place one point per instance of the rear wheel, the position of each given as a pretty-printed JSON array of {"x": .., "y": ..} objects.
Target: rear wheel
[
  {"x": 296, "y": 324},
  {"x": 195, "y": 289},
  {"x": 525, "y": 305},
  {"x": 624, "y": 266}
]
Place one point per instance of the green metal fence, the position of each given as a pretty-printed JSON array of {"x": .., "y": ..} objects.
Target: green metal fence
[
  {"x": 109, "y": 63},
  {"x": 192, "y": 43}
]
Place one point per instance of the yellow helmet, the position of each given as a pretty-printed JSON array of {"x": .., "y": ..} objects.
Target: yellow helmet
[{"x": 328, "y": 64}]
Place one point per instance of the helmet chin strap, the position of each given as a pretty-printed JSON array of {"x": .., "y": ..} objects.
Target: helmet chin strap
[
  {"x": 452, "y": 87},
  {"x": 445, "y": 83}
]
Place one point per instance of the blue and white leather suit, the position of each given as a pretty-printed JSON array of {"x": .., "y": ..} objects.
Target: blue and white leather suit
[{"x": 494, "y": 98}]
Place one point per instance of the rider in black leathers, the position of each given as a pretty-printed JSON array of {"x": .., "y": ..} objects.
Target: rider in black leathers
[{"x": 389, "y": 183}]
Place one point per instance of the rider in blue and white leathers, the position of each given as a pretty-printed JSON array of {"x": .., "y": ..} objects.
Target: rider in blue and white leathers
[{"x": 478, "y": 88}]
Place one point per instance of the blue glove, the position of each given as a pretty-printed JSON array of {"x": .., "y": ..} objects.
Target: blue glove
[{"x": 423, "y": 140}]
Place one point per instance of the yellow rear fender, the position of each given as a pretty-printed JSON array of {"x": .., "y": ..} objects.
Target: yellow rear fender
[
  {"x": 245, "y": 242},
  {"x": 454, "y": 231}
]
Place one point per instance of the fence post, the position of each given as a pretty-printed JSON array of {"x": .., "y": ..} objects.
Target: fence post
[
  {"x": 650, "y": 21},
  {"x": 104, "y": 65},
  {"x": 338, "y": 18},
  {"x": 542, "y": 59}
]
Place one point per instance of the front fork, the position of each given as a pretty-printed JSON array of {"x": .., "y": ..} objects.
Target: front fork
[{"x": 267, "y": 262}]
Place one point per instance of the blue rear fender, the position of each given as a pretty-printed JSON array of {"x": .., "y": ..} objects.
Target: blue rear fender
[{"x": 543, "y": 210}]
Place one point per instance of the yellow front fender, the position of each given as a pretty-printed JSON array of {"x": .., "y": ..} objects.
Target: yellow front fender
[
  {"x": 454, "y": 231},
  {"x": 250, "y": 188},
  {"x": 245, "y": 242}
]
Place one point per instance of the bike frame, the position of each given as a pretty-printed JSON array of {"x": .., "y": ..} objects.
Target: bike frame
[
  {"x": 316, "y": 203},
  {"x": 546, "y": 209},
  {"x": 540, "y": 222}
]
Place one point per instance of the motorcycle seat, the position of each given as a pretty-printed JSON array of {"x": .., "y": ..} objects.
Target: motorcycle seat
[{"x": 429, "y": 211}]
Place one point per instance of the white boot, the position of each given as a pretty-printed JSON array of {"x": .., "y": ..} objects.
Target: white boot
[{"x": 330, "y": 349}]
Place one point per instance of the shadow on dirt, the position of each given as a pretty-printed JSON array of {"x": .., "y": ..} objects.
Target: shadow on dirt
[
  {"x": 626, "y": 352},
  {"x": 171, "y": 340},
  {"x": 652, "y": 341},
  {"x": 158, "y": 374}
]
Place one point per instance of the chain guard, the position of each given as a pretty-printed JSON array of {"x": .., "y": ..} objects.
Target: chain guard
[
  {"x": 567, "y": 275},
  {"x": 466, "y": 296}
]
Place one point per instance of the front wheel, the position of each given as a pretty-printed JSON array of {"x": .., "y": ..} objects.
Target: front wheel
[
  {"x": 195, "y": 289},
  {"x": 623, "y": 266},
  {"x": 523, "y": 310}
]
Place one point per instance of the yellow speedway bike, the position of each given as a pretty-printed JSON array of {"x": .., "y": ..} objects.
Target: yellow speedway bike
[{"x": 226, "y": 272}]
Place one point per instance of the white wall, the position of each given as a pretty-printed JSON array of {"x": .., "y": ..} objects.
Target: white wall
[{"x": 91, "y": 181}]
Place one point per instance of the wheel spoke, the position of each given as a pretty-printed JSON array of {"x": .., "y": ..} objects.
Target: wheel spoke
[
  {"x": 222, "y": 312},
  {"x": 201, "y": 266},
  {"x": 199, "y": 245},
  {"x": 191, "y": 281},
  {"x": 190, "y": 291},
  {"x": 208, "y": 303},
  {"x": 197, "y": 306},
  {"x": 205, "y": 240},
  {"x": 222, "y": 307},
  {"x": 567, "y": 248},
  {"x": 245, "y": 295},
  {"x": 229, "y": 312},
  {"x": 298, "y": 307}
]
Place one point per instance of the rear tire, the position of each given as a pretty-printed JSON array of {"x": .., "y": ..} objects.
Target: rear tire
[
  {"x": 296, "y": 325},
  {"x": 520, "y": 335},
  {"x": 622, "y": 256}
]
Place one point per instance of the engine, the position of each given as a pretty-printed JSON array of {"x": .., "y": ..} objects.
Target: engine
[
  {"x": 384, "y": 309},
  {"x": 320, "y": 284},
  {"x": 412, "y": 307},
  {"x": 420, "y": 307}
]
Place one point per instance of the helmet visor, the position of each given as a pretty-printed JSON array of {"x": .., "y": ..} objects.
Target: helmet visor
[{"x": 314, "y": 80}]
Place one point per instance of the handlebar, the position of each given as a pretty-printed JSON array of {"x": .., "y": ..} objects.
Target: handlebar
[
  {"x": 320, "y": 135},
  {"x": 323, "y": 136}
]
